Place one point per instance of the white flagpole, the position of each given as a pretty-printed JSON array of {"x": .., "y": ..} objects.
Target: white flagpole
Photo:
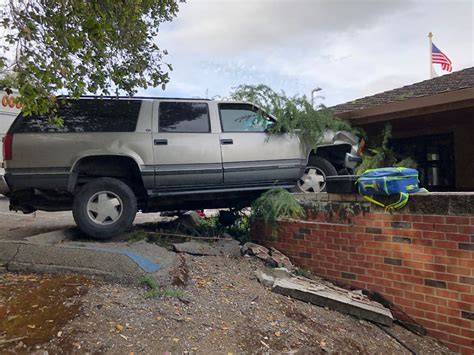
[{"x": 432, "y": 71}]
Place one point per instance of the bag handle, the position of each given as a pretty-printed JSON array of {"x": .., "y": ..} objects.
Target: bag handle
[{"x": 402, "y": 201}]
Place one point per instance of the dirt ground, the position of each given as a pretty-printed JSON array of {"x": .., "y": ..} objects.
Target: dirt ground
[{"x": 216, "y": 307}]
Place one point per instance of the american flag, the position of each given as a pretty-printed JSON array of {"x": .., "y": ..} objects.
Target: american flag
[{"x": 439, "y": 57}]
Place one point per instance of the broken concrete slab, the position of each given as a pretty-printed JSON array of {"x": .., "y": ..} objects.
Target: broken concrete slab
[
  {"x": 223, "y": 247},
  {"x": 264, "y": 278},
  {"x": 280, "y": 259},
  {"x": 327, "y": 295},
  {"x": 53, "y": 237},
  {"x": 256, "y": 250}
]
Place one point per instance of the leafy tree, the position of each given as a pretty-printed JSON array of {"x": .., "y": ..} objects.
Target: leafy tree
[
  {"x": 77, "y": 46},
  {"x": 294, "y": 114}
]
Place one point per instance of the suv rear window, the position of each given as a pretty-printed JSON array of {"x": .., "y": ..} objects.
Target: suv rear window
[
  {"x": 184, "y": 117},
  {"x": 85, "y": 115}
]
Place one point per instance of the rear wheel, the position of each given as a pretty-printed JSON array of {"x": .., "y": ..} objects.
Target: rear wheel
[
  {"x": 314, "y": 177},
  {"x": 104, "y": 207}
]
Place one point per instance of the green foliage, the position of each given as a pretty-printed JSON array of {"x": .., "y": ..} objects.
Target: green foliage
[
  {"x": 154, "y": 290},
  {"x": 294, "y": 114},
  {"x": 384, "y": 156},
  {"x": 240, "y": 230},
  {"x": 275, "y": 204},
  {"x": 78, "y": 46}
]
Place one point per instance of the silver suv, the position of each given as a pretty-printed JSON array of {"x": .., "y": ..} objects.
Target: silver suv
[{"x": 113, "y": 157}]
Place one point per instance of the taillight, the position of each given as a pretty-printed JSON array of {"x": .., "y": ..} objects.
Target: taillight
[
  {"x": 361, "y": 146},
  {"x": 8, "y": 147}
]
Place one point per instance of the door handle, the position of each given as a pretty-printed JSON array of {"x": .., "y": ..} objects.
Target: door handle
[
  {"x": 227, "y": 141},
  {"x": 160, "y": 142}
]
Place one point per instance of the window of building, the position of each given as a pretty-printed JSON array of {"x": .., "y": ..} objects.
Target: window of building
[
  {"x": 435, "y": 158},
  {"x": 242, "y": 118},
  {"x": 184, "y": 117}
]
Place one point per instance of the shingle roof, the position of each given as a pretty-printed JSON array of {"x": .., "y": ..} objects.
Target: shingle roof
[{"x": 458, "y": 80}]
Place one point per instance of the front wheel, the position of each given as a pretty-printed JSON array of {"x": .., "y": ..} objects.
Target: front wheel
[
  {"x": 104, "y": 207},
  {"x": 314, "y": 177}
]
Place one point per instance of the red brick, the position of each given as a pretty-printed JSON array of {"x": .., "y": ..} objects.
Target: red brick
[
  {"x": 425, "y": 306},
  {"x": 434, "y": 251},
  {"x": 449, "y": 311},
  {"x": 445, "y": 260},
  {"x": 459, "y": 287},
  {"x": 446, "y": 277},
  {"x": 413, "y": 279},
  {"x": 439, "y": 335},
  {"x": 447, "y": 294},
  {"x": 393, "y": 291},
  {"x": 356, "y": 256},
  {"x": 414, "y": 312},
  {"x": 402, "y": 270},
  {"x": 427, "y": 323},
  {"x": 435, "y": 267},
  {"x": 382, "y": 252},
  {"x": 462, "y": 254},
  {"x": 412, "y": 218},
  {"x": 445, "y": 244},
  {"x": 402, "y": 285},
  {"x": 461, "y": 305},
  {"x": 423, "y": 226},
  {"x": 459, "y": 322},
  {"x": 414, "y": 296},
  {"x": 413, "y": 264},
  {"x": 468, "y": 298},
  {"x": 393, "y": 276},
  {"x": 466, "y": 263},
  {"x": 450, "y": 329},
  {"x": 466, "y": 229},
  {"x": 468, "y": 333},
  {"x": 433, "y": 219},
  {"x": 436, "y": 317},
  {"x": 400, "y": 301},
  {"x": 433, "y": 235},
  {"x": 425, "y": 258},
  {"x": 436, "y": 300},
  {"x": 456, "y": 237},
  {"x": 457, "y": 220},
  {"x": 447, "y": 228},
  {"x": 423, "y": 289},
  {"x": 461, "y": 340},
  {"x": 425, "y": 242},
  {"x": 424, "y": 273}
]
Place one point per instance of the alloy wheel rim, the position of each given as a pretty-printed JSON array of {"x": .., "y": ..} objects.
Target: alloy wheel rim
[
  {"x": 313, "y": 180},
  {"x": 104, "y": 208}
]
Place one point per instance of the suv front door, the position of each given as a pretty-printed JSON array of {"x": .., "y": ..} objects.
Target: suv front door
[
  {"x": 187, "y": 153},
  {"x": 252, "y": 157}
]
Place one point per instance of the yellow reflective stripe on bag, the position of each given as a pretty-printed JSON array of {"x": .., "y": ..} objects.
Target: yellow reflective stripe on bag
[{"x": 402, "y": 201}]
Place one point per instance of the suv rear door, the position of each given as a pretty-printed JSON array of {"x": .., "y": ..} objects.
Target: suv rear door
[
  {"x": 252, "y": 157},
  {"x": 187, "y": 152}
]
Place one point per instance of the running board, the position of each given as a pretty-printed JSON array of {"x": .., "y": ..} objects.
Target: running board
[{"x": 155, "y": 193}]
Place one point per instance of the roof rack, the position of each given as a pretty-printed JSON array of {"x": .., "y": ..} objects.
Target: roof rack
[{"x": 137, "y": 97}]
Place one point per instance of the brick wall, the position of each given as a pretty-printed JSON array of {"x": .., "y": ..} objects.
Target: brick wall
[{"x": 421, "y": 261}]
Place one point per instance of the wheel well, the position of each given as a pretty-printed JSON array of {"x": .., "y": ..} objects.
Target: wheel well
[
  {"x": 335, "y": 154},
  {"x": 119, "y": 167}
]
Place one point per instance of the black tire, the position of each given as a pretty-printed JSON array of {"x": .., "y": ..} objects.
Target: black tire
[
  {"x": 323, "y": 166},
  {"x": 114, "y": 190}
]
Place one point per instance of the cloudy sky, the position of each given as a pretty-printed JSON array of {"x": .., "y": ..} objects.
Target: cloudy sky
[{"x": 350, "y": 48}]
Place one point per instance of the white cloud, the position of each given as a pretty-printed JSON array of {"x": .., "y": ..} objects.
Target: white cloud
[{"x": 349, "y": 48}]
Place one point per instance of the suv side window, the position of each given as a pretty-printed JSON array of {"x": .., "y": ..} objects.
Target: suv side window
[
  {"x": 184, "y": 117},
  {"x": 242, "y": 118},
  {"x": 85, "y": 115}
]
